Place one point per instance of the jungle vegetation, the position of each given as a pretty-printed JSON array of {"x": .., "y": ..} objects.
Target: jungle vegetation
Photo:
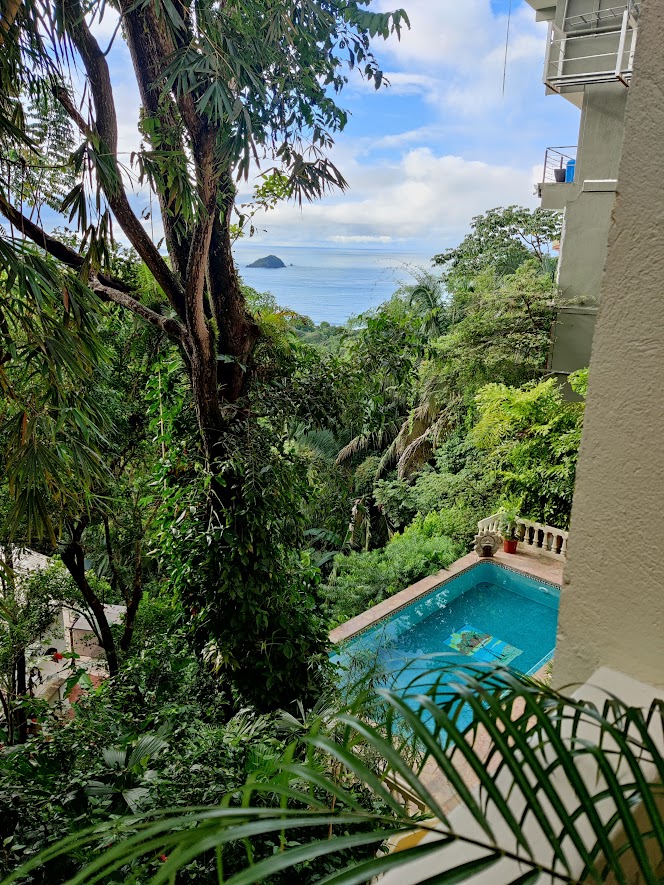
[
  {"x": 238, "y": 478},
  {"x": 374, "y": 479}
]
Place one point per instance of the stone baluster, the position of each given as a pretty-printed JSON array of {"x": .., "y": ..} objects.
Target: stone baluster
[{"x": 546, "y": 539}]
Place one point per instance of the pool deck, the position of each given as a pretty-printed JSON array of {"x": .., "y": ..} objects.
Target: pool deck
[{"x": 542, "y": 567}]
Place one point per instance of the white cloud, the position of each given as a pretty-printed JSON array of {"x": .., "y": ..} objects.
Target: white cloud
[
  {"x": 107, "y": 27},
  {"x": 338, "y": 238},
  {"x": 419, "y": 187},
  {"x": 441, "y": 32},
  {"x": 406, "y": 83},
  {"x": 425, "y": 198},
  {"x": 422, "y": 135},
  {"x": 459, "y": 48}
]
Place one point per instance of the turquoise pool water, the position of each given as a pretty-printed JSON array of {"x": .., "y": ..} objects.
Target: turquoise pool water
[{"x": 486, "y": 614}]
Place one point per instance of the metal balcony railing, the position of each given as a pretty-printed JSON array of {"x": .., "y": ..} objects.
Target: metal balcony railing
[
  {"x": 603, "y": 19},
  {"x": 555, "y": 162},
  {"x": 595, "y": 47}
]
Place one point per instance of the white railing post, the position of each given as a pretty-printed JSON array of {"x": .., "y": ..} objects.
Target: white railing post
[
  {"x": 621, "y": 43},
  {"x": 561, "y": 56},
  {"x": 632, "y": 48},
  {"x": 547, "y": 54}
]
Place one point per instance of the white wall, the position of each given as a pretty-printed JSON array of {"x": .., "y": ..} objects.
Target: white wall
[{"x": 612, "y": 609}]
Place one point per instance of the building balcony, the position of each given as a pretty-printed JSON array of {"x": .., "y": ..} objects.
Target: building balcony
[
  {"x": 557, "y": 184},
  {"x": 594, "y": 47},
  {"x": 559, "y": 163}
]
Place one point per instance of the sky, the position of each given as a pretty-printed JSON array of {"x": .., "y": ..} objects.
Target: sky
[{"x": 440, "y": 144}]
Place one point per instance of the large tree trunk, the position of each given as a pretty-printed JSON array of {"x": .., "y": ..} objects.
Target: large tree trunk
[
  {"x": 237, "y": 330},
  {"x": 10, "y": 10},
  {"x": 74, "y": 560}
]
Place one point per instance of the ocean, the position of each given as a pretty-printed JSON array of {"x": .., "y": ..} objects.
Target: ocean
[{"x": 328, "y": 283}]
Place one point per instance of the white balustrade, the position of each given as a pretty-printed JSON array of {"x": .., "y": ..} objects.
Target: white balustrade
[{"x": 536, "y": 536}]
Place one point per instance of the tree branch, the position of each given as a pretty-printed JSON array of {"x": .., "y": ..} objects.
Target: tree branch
[
  {"x": 65, "y": 100},
  {"x": 73, "y": 558},
  {"x": 153, "y": 46},
  {"x": 149, "y": 63},
  {"x": 106, "y": 126},
  {"x": 133, "y": 599},
  {"x": 115, "y": 576},
  {"x": 166, "y": 46},
  {"x": 170, "y": 326},
  {"x": 45, "y": 241},
  {"x": 107, "y": 287},
  {"x": 200, "y": 246}
]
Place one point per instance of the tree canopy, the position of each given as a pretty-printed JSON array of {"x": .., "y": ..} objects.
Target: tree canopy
[
  {"x": 236, "y": 477},
  {"x": 226, "y": 89}
]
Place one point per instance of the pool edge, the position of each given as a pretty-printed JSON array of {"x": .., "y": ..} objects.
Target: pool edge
[{"x": 423, "y": 588}]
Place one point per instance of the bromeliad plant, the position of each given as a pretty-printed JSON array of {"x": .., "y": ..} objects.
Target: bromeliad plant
[{"x": 587, "y": 782}]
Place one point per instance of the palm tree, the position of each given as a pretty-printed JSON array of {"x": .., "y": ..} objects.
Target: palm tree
[
  {"x": 434, "y": 416},
  {"x": 428, "y": 299}
]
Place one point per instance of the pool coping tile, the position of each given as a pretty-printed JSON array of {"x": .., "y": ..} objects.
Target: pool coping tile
[{"x": 540, "y": 567}]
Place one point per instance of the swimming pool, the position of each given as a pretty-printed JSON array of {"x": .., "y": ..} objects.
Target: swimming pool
[{"x": 486, "y": 614}]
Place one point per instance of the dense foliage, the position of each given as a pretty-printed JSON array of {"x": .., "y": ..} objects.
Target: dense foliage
[
  {"x": 362, "y": 579},
  {"x": 223, "y": 87},
  {"x": 235, "y": 477},
  {"x": 543, "y": 762},
  {"x": 158, "y": 738},
  {"x": 359, "y": 462},
  {"x": 533, "y": 437}
]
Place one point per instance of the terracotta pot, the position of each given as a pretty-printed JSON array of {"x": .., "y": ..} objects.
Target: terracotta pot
[{"x": 510, "y": 545}]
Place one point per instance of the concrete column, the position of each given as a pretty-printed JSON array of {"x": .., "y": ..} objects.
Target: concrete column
[
  {"x": 601, "y": 131},
  {"x": 612, "y": 610},
  {"x": 588, "y": 211}
]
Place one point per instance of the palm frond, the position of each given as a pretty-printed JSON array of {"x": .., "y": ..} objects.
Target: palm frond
[
  {"x": 550, "y": 786},
  {"x": 415, "y": 455},
  {"x": 388, "y": 458},
  {"x": 146, "y": 748},
  {"x": 363, "y": 442},
  {"x": 358, "y": 444},
  {"x": 321, "y": 443}
]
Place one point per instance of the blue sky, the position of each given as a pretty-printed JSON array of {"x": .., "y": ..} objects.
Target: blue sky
[{"x": 439, "y": 145}]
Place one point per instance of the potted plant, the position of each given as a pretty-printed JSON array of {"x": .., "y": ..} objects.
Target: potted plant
[{"x": 508, "y": 517}]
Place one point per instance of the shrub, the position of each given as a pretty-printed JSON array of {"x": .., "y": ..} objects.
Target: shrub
[
  {"x": 532, "y": 436},
  {"x": 361, "y": 580},
  {"x": 458, "y": 523}
]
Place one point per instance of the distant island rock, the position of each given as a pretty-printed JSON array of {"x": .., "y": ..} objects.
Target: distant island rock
[{"x": 270, "y": 261}]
